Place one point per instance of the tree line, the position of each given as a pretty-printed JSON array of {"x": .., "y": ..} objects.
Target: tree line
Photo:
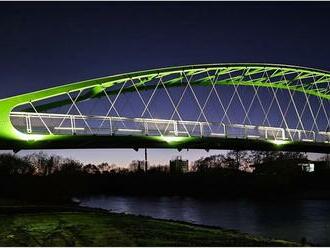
[
  {"x": 247, "y": 160},
  {"x": 42, "y": 177},
  {"x": 42, "y": 164}
]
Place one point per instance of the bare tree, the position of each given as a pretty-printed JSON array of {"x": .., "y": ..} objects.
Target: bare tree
[{"x": 11, "y": 164}]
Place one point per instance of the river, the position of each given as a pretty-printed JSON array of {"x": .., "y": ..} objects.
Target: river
[{"x": 290, "y": 220}]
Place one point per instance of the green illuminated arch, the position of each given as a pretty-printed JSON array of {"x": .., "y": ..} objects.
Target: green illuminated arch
[{"x": 309, "y": 81}]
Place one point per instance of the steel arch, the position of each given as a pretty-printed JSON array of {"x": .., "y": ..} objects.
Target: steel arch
[{"x": 309, "y": 81}]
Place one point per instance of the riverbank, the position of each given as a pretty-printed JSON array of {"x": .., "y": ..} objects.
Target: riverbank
[{"x": 79, "y": 226}]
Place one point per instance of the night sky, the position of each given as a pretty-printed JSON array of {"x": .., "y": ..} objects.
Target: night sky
[{"x": 48, "y": 44}]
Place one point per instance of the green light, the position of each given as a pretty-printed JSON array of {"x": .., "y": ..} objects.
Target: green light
[
  {"x": 29, "y": 137},
  {"x": 173, "y": 139},
  {"x": 279, "y": 142}
]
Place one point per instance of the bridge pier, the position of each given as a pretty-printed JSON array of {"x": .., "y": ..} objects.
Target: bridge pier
[{"x": 145, "y": 160}]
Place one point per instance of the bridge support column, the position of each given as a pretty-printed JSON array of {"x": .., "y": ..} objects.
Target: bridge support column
[{"x": 145, "y": 160}]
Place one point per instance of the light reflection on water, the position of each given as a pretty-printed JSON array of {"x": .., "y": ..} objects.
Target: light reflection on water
[{"x": 282, "y": 219}]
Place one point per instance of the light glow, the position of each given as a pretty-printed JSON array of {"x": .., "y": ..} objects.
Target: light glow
[
  {"x": 171, "y": 139},
  {"x": 279, "y": 142},
  {"x": 29, "y": 137}
]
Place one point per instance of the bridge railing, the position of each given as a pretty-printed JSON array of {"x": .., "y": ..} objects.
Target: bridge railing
[{"x": 63, "y": 124}]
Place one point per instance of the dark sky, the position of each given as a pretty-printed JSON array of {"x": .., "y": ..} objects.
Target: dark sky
[{"x": 47, "y": 44}]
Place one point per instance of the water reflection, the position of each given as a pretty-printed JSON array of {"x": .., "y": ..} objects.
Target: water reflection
[{"x": 290, "y": 220}]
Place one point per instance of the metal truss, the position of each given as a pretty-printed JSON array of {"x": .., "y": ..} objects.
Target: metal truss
[{"x": 295, "y": 109}]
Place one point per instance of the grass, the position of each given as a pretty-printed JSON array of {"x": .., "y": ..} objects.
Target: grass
[{"x": 109, "y": 229}]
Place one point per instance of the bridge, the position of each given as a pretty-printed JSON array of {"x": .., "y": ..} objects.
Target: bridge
[{"x": 215, "y": 106}]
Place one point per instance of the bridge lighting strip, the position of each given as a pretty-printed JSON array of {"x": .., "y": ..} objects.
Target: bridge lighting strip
[
  {"x": 179, "y": 132},
  {"x": 253, "y": 136},
  {"x": 113, "y": 118},
  {"x": 295, "y": 130},
  {"x": 325, "y": 133},
  {"x": 151, "y": 120},
  {"x": 271, "y": 128},
  {"x": 243, "y": 126},
  {"x": 217, "y": 134},
  {"x": 129, "y": 130},
  {"x": 23, "y": 114},
  {"x": 69, "y": 128}
]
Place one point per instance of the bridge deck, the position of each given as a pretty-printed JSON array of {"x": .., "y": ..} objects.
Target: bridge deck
[{"x": 136, "y": 142}]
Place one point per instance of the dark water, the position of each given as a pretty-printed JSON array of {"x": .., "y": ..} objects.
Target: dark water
[{"x": 289, "y": 220}]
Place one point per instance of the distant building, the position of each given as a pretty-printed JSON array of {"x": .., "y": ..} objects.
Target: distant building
[
  {"x": 307, "y": 167},
  {"x": 178, "y": 165}
]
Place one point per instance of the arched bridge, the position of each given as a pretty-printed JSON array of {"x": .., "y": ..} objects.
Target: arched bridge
[{"x": 216, "y": 106}]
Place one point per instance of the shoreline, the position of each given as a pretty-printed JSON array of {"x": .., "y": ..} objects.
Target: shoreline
[{"x": 213, "y": 236}]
